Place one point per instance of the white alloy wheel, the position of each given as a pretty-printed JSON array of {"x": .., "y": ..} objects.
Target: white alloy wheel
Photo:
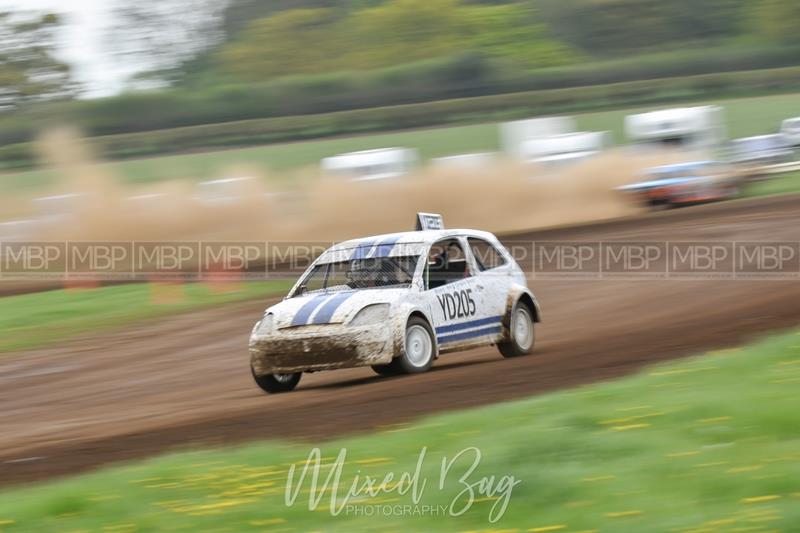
[
  {"x": 419, "y": 347},
  {"x": 522, "y": 328}
]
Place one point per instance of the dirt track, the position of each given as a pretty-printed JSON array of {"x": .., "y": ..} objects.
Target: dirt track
[{"x": 184, "y": 381}]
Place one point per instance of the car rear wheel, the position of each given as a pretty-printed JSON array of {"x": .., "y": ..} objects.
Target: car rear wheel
[
  {"x": 275, "y": 383},
  {"x": 521, "y": 337},
  {"x": 419, "y": 348}
]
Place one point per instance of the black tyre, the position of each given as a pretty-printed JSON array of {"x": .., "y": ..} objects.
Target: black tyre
[
  {"x": 275, "y": 383},
  {"x": 385, "y": 370},
  {"x": 419, "y": 348},
  {"x": 521, "y": 335}
]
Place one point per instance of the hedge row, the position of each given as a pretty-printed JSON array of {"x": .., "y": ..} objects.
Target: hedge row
[{"x": 514, "y": 105}]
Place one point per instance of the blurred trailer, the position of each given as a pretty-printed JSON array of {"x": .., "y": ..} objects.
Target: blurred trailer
[
  {"x": 687, "y": 127},
  {"x": 753, "y": 155},
  {"x": 382, "y": 163},
  {"x": 790, "y": 128},
  {"x": 514, "y": 135},
  {"x": 565, "y": 148}
]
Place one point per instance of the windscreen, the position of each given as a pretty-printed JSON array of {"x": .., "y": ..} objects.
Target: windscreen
[{"x": 363, "y": 273}]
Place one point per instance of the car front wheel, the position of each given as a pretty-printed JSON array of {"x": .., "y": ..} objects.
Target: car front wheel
[
  {"x": 275, "y": 383},
  {"x": 521, "y": 337},
  {"x": 419, "y": 348}
]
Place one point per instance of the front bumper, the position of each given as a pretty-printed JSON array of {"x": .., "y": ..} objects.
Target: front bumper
[{"x": 320, "y": 347}]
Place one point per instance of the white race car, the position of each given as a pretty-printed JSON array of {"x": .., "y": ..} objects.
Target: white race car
[{"x": 395, "y": 303}]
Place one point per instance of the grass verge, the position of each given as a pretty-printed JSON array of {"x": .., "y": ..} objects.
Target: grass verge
[
  {"x": 706, "y": 444},
  {"x": 31, "y": 320},
  {"x": 781, "y": 184}
]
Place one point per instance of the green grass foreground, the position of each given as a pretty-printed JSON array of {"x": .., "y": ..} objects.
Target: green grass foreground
[
  {"x": 745, "y": 116},
  {"x": 781, "y": 184},
  {"x": 37, "y": 319},
  {"x": 707, "y": 444}
]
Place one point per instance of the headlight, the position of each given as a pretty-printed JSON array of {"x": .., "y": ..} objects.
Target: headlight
[
  {"x": 265, "y": 326},
  {"x": 371, "y": 314}
]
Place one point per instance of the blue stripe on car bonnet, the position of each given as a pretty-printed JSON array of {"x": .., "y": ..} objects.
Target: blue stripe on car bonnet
[
  {"x": 325, "y": 312},
  {"x": 302, "y": 315}
]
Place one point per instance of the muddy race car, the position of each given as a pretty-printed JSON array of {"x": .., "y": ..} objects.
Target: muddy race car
[
  {"x": 683, "y": 184},
  {"x": 395, "y": 303}
]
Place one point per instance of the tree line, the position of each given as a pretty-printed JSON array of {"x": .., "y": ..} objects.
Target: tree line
[{"x": 419, "y": 50}]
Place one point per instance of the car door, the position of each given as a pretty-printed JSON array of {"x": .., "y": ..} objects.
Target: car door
[
  {"x": 459, "y": 314},
  {"x": 493, "y": 276}
]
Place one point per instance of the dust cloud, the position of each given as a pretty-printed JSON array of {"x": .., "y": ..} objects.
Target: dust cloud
[{"x": 89, "y": 203}]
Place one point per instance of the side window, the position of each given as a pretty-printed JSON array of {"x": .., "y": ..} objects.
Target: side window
[
  {"x": 486, "y": 255},
  {"x": 447, "y": 263}
]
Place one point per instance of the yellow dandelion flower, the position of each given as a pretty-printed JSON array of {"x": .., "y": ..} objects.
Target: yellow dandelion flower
[
  {"x": 268, "y": 522},
  {"x": 580, "y": 503},
  {"x": 630, "y": 427},
  {"x": 740, "y": 469},
  {"x": 635, "y": 408},
  {"x": 682, "y": 371},
  {"x": 683, "y": 454},
  {"x": 714, "y": 420},
  {"x": 599, "y": 478},
  {"x": 373, "y": 460},
  {"x": 764, "y": 518},
  {"x": 714, "y": 463},
  {"x": 721, "y": 522},
  {"x": 760, "y": 499},
  {"x": 623, "y": 514}
]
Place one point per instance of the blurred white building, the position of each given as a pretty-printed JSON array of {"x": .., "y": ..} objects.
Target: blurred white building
[
  {"x": 382, "y": 163},
  {"x": 566, "y": 147},
  {"x": 514, "y": 135},
  {"x": 686, "y": 127}
]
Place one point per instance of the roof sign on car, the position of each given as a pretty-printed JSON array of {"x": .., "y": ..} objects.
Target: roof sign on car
[{"x": 426, "y": 221}]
